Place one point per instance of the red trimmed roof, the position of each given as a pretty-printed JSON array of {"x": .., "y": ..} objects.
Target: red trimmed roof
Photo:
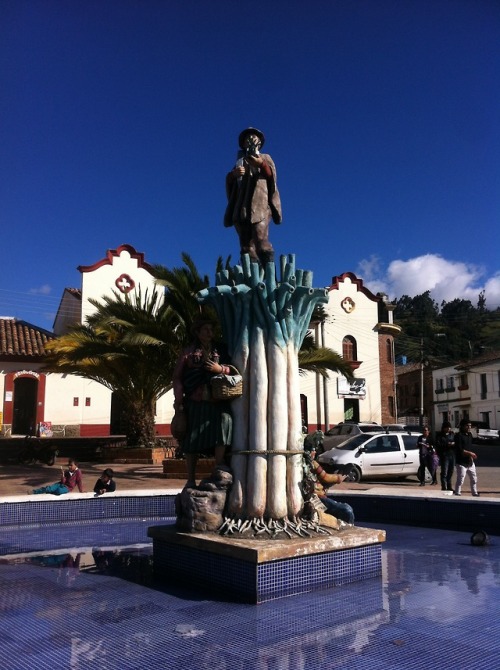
[
  {"x": 20, "y": 339},
  {"x": 357, "y": 282},
  {"x": 115, "y": 253}
]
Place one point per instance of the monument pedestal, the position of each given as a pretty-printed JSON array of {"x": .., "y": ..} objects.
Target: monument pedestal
[{"x": 258, "y": 570}]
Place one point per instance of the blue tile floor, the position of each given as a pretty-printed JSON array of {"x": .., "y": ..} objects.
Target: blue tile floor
[{"x": 436, "y": 605}]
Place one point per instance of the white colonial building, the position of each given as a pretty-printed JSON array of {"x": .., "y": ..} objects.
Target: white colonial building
[
  {"x": 470, "y": 390},
  {"x": 358, "y": 325},
  {"x": 69, "y": 404}
]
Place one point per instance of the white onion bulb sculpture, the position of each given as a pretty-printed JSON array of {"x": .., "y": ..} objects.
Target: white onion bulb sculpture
[{"x": 264, "y": 322}]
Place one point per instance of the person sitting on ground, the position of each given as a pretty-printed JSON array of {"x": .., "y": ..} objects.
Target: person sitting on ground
[
  {"x": 71, "y": 479},
  {"x": 341, "y": 511},
  {"x": 105, "y": 483}
]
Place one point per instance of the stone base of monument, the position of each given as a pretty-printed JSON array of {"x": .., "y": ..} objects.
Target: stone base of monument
[{"x": 258, "y": 570}]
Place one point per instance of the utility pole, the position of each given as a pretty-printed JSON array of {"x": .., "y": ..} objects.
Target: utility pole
[{"x": 421, "y": 382}]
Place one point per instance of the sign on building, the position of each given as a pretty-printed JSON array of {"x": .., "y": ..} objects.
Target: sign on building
[{"x": 354, "y": 389}]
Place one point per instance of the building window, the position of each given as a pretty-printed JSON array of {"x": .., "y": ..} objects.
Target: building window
[
  {"x": 484, "y": 386},
  {"x": 75, "y": 402},
  {"x": 450, "y": 383},
  {"x": 388, "y": 349},
  {"x": 349, "y": 348},
  {"x": 87, "y": 402},
  {"x": 391, "y": 405},
  {"x": 439, "y": 385},
  {"x": 485, "y": 416}
]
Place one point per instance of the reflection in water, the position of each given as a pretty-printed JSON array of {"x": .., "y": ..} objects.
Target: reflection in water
[{"x": 81, "y": 603}]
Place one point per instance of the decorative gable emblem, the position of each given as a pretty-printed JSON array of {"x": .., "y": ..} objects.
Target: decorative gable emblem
[
  {"x": 348, "y": 305},
  {"x": 125, "y": 283}
]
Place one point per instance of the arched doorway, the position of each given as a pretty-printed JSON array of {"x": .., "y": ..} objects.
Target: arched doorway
[{"x": 24, "y": 410}]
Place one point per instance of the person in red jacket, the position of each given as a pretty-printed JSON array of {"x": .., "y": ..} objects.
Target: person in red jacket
[{"x": 71, "y": 479}]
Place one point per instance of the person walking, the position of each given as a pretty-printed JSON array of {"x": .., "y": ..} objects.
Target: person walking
[
  {"x": 465, "y": 458},
  {"x": 428, "y": 456},
  {"x": 446, "y": 453}
]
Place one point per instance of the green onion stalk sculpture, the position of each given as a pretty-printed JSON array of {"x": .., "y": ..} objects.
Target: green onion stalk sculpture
[{"x": 264, "y": 322}]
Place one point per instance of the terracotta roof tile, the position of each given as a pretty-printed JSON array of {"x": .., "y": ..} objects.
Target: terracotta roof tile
[{"x": 22, "y": 339}]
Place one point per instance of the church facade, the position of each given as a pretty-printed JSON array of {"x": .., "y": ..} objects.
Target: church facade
[{"x": 358, "y": 325}]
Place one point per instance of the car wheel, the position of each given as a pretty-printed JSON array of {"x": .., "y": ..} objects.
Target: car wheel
[
  {"x": 354, "y": 474},
  {"x": 26, "y": 457},
  {"x": 50, "y": 460}
]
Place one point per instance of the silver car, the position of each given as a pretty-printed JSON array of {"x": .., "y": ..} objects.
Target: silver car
[
  {"x": 374, "y": 455},
  {"x": 337, "y": 435},
  {"x": 481, "y": 432}
]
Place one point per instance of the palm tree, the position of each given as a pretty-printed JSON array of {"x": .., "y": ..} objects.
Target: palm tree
[
  {"x": 322, "y": 360},
  {"x": 128, "y": 345},
  {"x": 182, "y": 284}
]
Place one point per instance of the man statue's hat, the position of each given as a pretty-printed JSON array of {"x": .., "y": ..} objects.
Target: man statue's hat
[{"x": 250, "y": 131}]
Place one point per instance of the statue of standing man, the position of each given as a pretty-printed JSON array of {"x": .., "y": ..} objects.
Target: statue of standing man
[{"x": 253, "y": 197}]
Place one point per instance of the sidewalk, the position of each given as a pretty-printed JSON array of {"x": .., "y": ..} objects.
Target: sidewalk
[{"x": 18, "y": 479}]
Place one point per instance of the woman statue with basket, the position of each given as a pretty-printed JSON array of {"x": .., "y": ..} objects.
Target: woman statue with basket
[{"x": 202, "y": 423}]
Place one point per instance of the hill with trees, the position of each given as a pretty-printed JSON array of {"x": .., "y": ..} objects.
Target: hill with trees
[{"x": 445, "y": 334}]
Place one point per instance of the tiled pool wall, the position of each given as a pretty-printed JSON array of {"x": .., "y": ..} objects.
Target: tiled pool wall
[
  {"x": 58, "y": 539},
  {"x": 38, "y": 510},
  {"x": 39, "y": 524},
  {"x": 448, "y": 514},
  {"x": 262, "y": 582},
  {"x": 48, "y": 523}
]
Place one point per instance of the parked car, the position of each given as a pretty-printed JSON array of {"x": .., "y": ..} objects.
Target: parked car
[
  {"x": 380, "y": 455},
  {"x": 397, "y": 428},
  {"x": 481, "y": 432},
  {"x": 343, "y": 431}
]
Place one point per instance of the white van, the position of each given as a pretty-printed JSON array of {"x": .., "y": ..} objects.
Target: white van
[{"x": 380, "y": 455}]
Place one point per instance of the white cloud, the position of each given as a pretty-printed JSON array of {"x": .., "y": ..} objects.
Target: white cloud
[
  {"x": 45, "y": 289},
  {"x": 445, "y": 279}
]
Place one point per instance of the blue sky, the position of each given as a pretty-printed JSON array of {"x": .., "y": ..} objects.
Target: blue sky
[{"x": 119, "y": 121}]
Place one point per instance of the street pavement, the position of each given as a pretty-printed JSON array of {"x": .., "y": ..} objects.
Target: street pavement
[{"x": 19, "y": 479}]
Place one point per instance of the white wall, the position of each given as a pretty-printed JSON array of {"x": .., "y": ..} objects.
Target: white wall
[
  {"x": 360, "y": 323},
  {"x": 469, "y": 400},
  {"x": 102, "y": 280},
  {"x": 60, "y": 391}
]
